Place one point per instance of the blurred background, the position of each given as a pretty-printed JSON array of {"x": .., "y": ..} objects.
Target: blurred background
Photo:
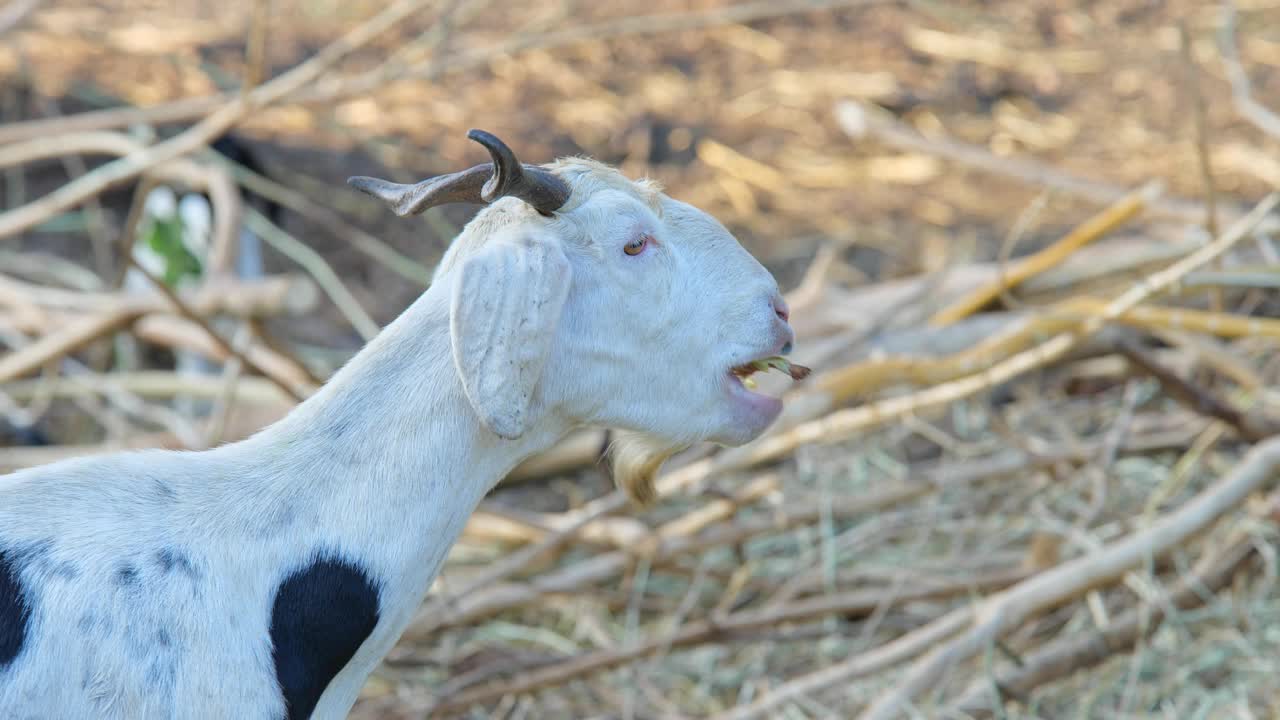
[{"x": 1020, "y": 243}]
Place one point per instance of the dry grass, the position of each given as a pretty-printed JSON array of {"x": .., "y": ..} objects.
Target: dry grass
[{"x": 1033, "y": 268}]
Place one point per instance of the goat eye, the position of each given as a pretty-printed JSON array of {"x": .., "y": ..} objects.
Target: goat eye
[{"x": 635, "y": 247}]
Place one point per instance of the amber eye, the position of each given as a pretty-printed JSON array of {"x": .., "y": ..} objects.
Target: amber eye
[{"x": 635, "y": 247}]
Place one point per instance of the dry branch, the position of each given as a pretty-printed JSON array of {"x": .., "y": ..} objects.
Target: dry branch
[
  {"x": 218, "y": 294},
  {"x": 190, "y": 140},
  {"x": 223, "y": 347},
  {"x": 487, "y": 595},
  {"x": 179, "y": 333},
  {"x": 1194, "y": 397},
  {"x": 993, "y": 617},
  {"x": 850, "y": 605},
  {"x": 63, "y": 341},
  {"x": 1077, "y": 651},
  {"x": 1095, "y": 227}
]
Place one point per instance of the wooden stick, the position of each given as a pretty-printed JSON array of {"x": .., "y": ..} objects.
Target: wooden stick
[
  {"x": 292, "y": 294},
  {"x": 1076, "y": 651},
  {"x": 995, "y": 616},
  {"x": 64, "y": 340},
  {"x": 126, "y": 168},
  {"x": 223, "y": 346},
  {"x": 1095, "y": 227},
  {"x": 177, "y": 332},
  {"x": 850, "y": 605}
]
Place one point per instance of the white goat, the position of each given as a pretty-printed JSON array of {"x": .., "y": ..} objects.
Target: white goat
[{"x": 267, "y": 578}]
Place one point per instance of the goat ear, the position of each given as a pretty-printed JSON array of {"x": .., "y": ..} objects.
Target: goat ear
[{"x": 506, "y": 305}]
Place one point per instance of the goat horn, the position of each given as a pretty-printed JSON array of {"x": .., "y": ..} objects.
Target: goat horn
[{"x": 482, "y": 184}]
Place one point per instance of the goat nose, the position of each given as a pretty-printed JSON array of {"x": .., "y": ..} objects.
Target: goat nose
[{"x": 780, "y": 308}]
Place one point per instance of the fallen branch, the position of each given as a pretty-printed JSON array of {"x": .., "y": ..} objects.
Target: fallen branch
[
  {"x": 126, "y": 168},
  {"x": 1077, "y": 651},
  {"x": 1011, "y": 608},
  {"x": 850, "y": 605},
  {"x": 993, "y": 617},
  {"x": 1193, "y": 397},
  {"x": 1095, "y": 227}
]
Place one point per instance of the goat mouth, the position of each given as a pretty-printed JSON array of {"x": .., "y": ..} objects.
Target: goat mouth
[{"x": 742, "y": 373}]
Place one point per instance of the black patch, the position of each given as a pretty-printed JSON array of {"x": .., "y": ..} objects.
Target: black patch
[
  {"x": 126, "y": 576},
  {"x": 321, "y": 615},
  {"x": 171, "y": 560},
  {"x": 163, "y": 489},
  {"x": 15, "y": 611}
]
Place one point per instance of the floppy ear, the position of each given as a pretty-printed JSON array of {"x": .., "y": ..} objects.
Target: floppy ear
[{"x": 506, "y": 304}]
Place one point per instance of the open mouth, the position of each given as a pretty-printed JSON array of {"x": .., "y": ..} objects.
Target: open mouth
[{"x": 776, "y": 362}]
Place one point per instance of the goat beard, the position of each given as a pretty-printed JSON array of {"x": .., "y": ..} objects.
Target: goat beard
[{"x": 635, "y": 459}]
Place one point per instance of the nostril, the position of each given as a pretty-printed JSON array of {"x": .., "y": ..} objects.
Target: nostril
[{"x": 780, "y": 308}]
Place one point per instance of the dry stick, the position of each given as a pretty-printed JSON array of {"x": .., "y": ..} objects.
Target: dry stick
[
  {"x": 268, "y": 295},
  {"x": 115, "y": 144},
  {"x": 1095, "y": 227},
  {"x": 1194, "y": 398},
  {"x": 177, "y": 332},
  {"x": 484, "y": 595},
  {"x": 255, "y": 50},
  {"x": 15, "y": 12},
  {"x": 340, "y": 88},
  {"x": 200, "y": 134},
  {"x": 1241, "y": 91},
  {"x": 847, "y": 422},
  {"x": 315, "y": 264},
  {"x": 333, "y": 222},
  {"x": 851, "y": 605},
  {"x": 148, "y": 383},
  {"x": 849, "y": 382},
  {"x": 1201, "y": 124},
  {"x": 222, "y": 191},
  {"x": 64, "y": 340},
  {"x": 185, "y": 311},
  {"x": 1009, "y": 609},
  {"x": 1076, "y": 651}
]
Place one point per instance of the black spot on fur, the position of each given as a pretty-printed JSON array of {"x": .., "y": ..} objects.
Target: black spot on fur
[
  {"x": 15, "y": 611},
  {"x": 126, "y": 576},
  {"x": 163, "y": 489},
  {"x": 321, "y": 615},
  {"x": 171, "y": 560}
]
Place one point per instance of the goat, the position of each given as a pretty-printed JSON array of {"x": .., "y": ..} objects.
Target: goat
[{"x": 268, "y": 577}]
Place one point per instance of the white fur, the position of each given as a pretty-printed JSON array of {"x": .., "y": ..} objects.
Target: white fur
[{"x": 533, "y": 326}]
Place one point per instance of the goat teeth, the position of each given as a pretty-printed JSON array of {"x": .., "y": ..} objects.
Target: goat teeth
[{"x": 749, "y": 383}]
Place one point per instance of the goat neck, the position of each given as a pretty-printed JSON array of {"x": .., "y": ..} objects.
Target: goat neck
[{"x": 383, "y": 466}]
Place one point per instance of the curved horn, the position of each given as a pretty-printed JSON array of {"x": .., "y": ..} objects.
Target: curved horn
[{"x": 482, "y": 184}]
